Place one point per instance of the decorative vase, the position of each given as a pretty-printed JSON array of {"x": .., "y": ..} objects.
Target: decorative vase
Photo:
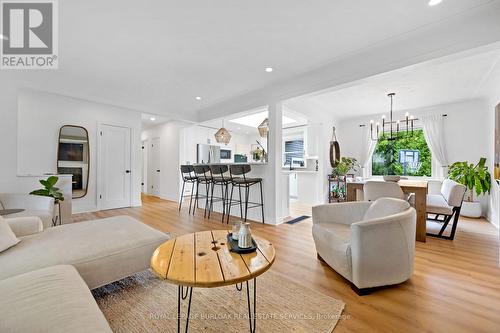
[
  {"x": 245, "y": 236},
  {"x": 471, "y": 209}
]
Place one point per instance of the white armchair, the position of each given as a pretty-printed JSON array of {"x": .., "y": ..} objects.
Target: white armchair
[
  {"x": 33, "y": 205},
  {"x": 371, "y": 244}
]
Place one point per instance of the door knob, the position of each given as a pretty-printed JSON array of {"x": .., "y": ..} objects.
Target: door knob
[
  {"x": 127, "y": 171},
  {"x": 157, "y": 170}
]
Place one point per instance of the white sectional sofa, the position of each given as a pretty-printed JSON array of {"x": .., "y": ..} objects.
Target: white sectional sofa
[
  {"x": 33, "y": 205},
  {"x": 42, "y": 293},
  {"x": 51, "y": 299}
]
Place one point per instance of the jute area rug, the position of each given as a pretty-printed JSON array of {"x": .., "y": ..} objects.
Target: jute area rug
[{"x": 144, "y": 303}]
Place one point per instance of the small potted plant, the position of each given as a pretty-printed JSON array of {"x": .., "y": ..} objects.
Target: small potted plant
[
  {"x": 49, "y": 190},
  {"x": 477, "y": 179}
]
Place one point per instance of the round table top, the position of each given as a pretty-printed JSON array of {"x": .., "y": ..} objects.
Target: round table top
[
  {"x": 10, "y": 211},
  {"x": 203, "y": 259}
]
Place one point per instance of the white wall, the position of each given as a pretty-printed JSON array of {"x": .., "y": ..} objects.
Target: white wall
[
  {"x": 466, "y": 132},
  {"x": 39, "y": 118},
  {"x": 169, "y": 134}
]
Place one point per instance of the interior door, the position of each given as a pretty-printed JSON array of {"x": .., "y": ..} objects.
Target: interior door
[
  {"x": 154, "y": 184},
  {"x": 115, "y": 173}
]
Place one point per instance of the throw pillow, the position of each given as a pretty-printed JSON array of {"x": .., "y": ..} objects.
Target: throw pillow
[{"x": 7, "y": 237}]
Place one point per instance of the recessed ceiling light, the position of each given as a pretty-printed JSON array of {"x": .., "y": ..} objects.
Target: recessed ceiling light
[
  {"x": 435, "y": 2},
  {"x": 152, "y": 118},
  {"x": 198, "y": 98},
  {"x": 3, "y": 37},
  {"x": 269, "y": 69}
]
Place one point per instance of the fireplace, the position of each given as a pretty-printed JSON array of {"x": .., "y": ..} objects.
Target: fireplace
[{"x": 77, "y": 176}]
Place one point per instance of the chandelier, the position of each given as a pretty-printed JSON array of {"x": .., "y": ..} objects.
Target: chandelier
[
  {"x": 392, "y": 127},
  {"x": 222, "y": 135}
]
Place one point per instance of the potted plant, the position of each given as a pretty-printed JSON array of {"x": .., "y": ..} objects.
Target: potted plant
[
  {"x": 49, "y": 190},
  {"x": 477, "y": 179},
  {"x": 345, "y": 165}
]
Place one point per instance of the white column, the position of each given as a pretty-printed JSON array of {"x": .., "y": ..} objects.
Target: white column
[{"x": 273, "y": 176}]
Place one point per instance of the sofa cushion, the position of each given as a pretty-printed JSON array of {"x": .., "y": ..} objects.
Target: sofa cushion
[
  {"x": 102, "y": 251},
  {"x": 45, "y": 216},
  {"x": 385, "y": 207},
  {"x": 333, "y": 244},
  {"x": 52, "y": 299},
  {"x": 7, "y": 236},
  {"x": 436, "y": 204}
]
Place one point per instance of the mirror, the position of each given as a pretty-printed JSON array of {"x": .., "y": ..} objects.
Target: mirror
[{"x": 73, "y": 157}]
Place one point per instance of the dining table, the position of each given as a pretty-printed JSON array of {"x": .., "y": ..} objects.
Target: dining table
[{"x": 419, "y": 190}]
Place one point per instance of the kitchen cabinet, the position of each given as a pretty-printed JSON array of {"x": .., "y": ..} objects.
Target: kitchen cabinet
[
  {"x": 313, "y": 132},
  {"x": 294, "y": 192}
]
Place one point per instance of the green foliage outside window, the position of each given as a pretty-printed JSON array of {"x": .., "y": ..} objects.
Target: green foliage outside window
[{"x": 385, "y": 159}]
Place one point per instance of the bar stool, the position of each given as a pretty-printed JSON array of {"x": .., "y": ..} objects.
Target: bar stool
[
  {"x": 241, "y": 170},
  {"x": 188, "y": 176},
  {"x": 203, "y": 177},
  {"x": 220, "y": 176}
]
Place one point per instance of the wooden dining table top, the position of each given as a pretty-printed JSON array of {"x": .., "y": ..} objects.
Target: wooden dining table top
[
  {"x": 404, "y": 183},
  {"x": 204, "y": 259}
]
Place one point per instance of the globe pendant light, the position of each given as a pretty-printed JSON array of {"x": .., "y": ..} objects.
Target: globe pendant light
[{"x": 222, "y": 135}]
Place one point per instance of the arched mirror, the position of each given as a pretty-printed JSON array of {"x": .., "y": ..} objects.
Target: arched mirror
[{"x": 73, "y": 157}]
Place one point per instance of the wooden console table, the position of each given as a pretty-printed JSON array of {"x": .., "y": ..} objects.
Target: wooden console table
[{"x": 418, "y": 187}]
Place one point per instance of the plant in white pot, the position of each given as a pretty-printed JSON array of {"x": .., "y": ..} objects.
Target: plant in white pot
[{"x": 477, "y": 179}]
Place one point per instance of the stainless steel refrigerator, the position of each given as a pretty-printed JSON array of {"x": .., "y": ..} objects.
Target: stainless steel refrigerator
[{"x": 207, "y": 153}]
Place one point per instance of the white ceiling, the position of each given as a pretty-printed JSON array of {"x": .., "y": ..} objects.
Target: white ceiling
[
  {"x": 156, "y": 56},
  {"x": 442, "y": 81},
  {"x": 151, "y": 120}
]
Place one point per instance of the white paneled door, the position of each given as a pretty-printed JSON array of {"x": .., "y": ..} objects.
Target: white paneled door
[
  {"x": 154, "y": 184},
  {"x": 114, "y": 165}
]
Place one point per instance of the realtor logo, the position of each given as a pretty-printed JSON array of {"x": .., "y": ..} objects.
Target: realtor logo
[{"x": 29, "y": 34}]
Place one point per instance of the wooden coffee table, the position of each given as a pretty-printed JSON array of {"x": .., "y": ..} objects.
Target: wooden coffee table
[{"x": 203, "y": 260}]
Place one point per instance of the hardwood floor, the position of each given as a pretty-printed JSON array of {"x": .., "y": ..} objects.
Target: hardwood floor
[{"x": 455, "y": 287}]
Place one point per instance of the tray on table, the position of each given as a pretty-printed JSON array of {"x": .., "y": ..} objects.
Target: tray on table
[{"x": 233, "y": 245}]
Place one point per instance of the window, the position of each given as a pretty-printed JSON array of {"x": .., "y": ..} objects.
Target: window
[
  {"x": 294, "y": 149},
  {"x": 408, "y": 155}
]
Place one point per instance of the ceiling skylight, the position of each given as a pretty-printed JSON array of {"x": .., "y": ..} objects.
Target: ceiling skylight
[{"x": 254, "y": 120}]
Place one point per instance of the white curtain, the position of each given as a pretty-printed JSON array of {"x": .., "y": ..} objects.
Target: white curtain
[
  {"x": 434, "y": 135},
  {"x": 367, "y": 149}
]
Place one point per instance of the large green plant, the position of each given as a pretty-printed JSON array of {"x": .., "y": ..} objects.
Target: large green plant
[
  {"x": 477, "y": 178},
  {"x": 49, "y": 189},
  {"x": 345, "y": 165}
]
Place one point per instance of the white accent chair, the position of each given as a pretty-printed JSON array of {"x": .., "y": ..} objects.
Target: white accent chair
[
  {"x": 447, "y": 204},
  {"x": 33, "y": 205},
  {"x": 373, "y": 190},
  {"x": 371, "y": 244}
]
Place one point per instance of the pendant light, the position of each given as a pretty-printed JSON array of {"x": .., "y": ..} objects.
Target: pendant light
[
  {"x": 264, "y": 128},
  {"x": 394, "y": 127},
  {"x": 222, "y": 135}
]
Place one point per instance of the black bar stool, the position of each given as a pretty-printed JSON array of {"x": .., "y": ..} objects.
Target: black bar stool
[
  {"x": 220, "y": 176},
  {"x": 203, "y": 177},
  {"x": 241, "y": 170},
  {"x": 188, "y": 176}
]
